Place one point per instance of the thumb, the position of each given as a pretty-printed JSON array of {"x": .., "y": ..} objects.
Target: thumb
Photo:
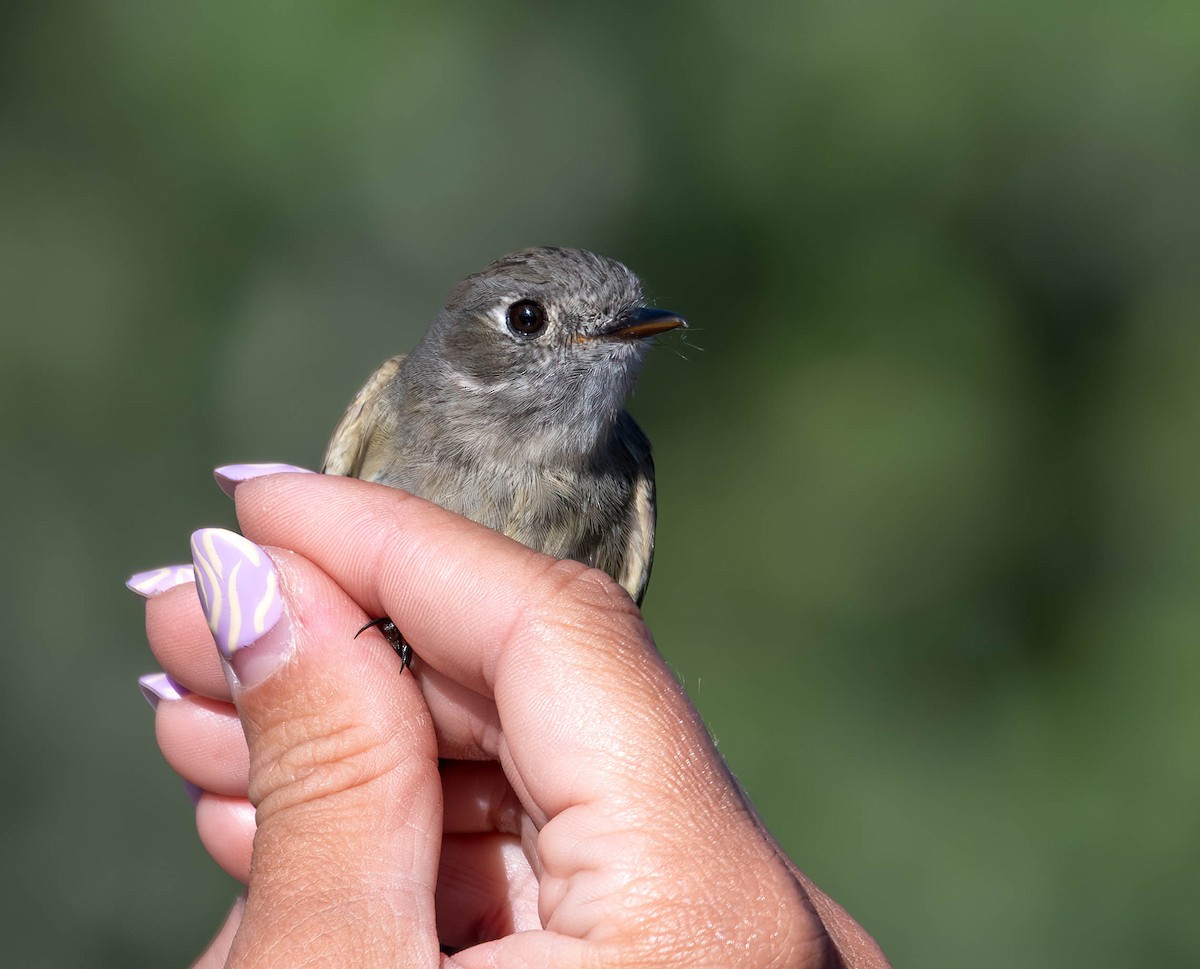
[{"x": 343, "y": 767}]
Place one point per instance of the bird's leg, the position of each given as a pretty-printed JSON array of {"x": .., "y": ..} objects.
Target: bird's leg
[{"x": 394, "y": 637}]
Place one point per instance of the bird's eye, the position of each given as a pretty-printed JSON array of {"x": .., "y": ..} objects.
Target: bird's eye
[{"x": 526, "y": 317}]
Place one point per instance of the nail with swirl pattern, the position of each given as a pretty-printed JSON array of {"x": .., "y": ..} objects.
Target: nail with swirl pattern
[
  {"x": 238, "y": 588},
  {"x": 156, "y": 581}
]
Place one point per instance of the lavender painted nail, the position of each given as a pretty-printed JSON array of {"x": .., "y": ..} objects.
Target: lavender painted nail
[
  {"x": 157, "y": 687},
  {"x": 156, "y": 581},
  {"x": 239, "y": 590},
  {"x": 229, "y": 476}
]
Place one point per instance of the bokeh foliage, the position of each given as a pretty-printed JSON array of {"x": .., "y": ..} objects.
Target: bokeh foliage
[{"x": 927, "y": 460}]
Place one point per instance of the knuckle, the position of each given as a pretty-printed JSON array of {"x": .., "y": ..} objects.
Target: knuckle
[
  {"x": 575, "y": 606},
  {"x": 302, "y": 760}
]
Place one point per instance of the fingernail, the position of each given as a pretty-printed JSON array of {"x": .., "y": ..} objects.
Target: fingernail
[
  {"x": 239, "y": 592},
  {"x": 193, "y": 792},
  {"x": 156, "y": 687},
  {"x": 229, "y": 476},
  {"x": 150, "y": 584}
]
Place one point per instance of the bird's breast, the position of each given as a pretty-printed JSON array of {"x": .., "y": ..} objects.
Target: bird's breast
[{"x": 562, "y": 512}]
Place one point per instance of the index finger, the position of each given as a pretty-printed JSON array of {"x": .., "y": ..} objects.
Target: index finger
[{"x": 561, "y": 648}]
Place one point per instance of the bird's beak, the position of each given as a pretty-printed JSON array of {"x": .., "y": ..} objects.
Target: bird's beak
[{"x": 645, "y": 321}]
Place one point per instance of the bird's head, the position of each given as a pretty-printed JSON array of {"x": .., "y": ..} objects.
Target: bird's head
[{"x": 545, "y": 336}]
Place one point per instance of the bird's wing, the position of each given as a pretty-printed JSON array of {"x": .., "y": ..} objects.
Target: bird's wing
[
  {"x": 643, "y": 511},
  {"x": 348, "y": 448}
]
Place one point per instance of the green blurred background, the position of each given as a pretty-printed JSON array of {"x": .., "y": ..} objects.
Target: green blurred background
[{"x": 927, "y": 460}]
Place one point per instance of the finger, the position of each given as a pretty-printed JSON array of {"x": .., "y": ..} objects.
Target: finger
[
  {"x": 448, "y": 577},
  {"x": 466, "y": 722},
  {"x": 489, "y": 613},
  {"x": 202, "y": 741},
  {"x": 484, "y": 879},
  {"x": 181, "y": 643},
  {"x": 343, "y": 768},
  {"x": 226, "y": 827}
]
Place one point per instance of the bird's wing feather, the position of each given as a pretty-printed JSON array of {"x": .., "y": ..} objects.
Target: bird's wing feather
[
  {"x": 643, "y": 511},
  {"x": 348, "y": 448}
]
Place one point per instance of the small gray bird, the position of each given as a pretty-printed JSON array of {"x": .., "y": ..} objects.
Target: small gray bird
[{"x": 510, "y": 412}]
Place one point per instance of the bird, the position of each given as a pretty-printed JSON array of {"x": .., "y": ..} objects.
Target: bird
[{"x": 510, "y": 412}]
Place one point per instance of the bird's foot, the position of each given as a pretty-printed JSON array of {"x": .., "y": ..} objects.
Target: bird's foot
[{"x": 394, "y": 637}]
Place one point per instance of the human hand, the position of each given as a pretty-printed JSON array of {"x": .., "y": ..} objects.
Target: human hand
[{"x": 584, "y": 816}]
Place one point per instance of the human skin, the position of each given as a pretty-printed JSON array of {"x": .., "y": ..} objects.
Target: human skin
[{"x": 540, "y": 793}]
